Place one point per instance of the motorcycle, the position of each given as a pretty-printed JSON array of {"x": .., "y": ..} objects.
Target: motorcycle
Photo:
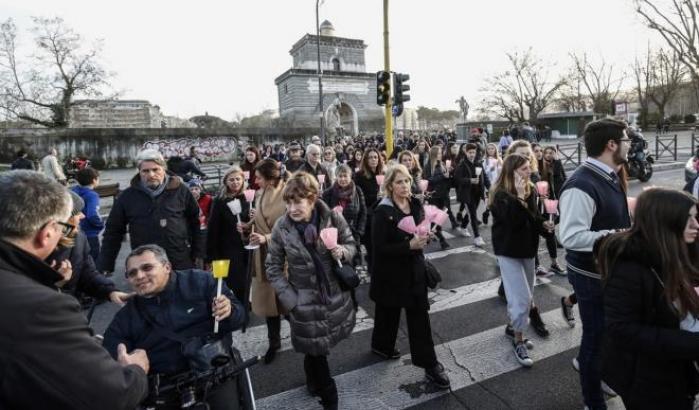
[{"x": 640, "y": 161}]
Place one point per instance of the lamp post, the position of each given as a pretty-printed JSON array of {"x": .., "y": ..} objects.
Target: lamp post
[{"x": 320, "y": 79}]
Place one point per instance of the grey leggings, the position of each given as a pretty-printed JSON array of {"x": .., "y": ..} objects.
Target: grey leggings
[{"x": 518, "y": 279}]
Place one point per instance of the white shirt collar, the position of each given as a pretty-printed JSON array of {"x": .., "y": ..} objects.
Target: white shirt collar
[{"x": 601, "y": 165}]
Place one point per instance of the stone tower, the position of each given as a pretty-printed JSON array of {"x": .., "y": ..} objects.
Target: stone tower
[{"x": 349, "y": 92}]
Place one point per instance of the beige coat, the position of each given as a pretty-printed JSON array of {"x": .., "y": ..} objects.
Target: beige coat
[{"x": 269, "y": 207}]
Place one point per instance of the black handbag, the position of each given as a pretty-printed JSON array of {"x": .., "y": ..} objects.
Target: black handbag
[
  {"x": 346, "y": 275},
  {"x": 432, "y": 276}
]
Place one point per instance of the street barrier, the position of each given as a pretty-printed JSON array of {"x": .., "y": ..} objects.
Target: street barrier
[
  {"x": 666, "y": 148},
  {"x": 570, "y": 154}
]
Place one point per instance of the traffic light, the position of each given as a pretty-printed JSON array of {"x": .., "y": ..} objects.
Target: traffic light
[
  {"x": 383, "y": 87},
  {"x": 399, "y": 87}
]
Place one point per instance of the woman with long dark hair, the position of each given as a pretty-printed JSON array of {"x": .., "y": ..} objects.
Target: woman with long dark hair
[
  {"x": 439, "y": 186},
  {"x": 223, "y": 240},
  {"x": 651, "y": 307},
  {"x": 517, "y": 224},
  {"x": 399, "y": 281},
  {"x": 252, "y": 157},
  {"x": 269, "y": 206},
  {"x": 365, "y": 179}
]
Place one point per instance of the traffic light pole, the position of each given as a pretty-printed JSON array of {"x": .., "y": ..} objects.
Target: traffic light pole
[
  {"x": 320, "y": 80},
  {"x": 388, "y": 115}
]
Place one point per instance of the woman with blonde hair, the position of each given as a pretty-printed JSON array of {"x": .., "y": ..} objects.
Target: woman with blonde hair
[
  {"x": 321, "y": 312},
  {"x": 517, "y": 224},
  {"x": 399, "y": 280},
  {"x": 492, "y": 165},
  {"x": 269, "y": 206},
  {"x": 223, "y": 240}
]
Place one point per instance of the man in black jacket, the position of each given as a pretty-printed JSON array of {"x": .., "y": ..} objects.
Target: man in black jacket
[
  {"x": 172, "y": 305},
  {"x": 157, "y": 208},
  {"x": 48, "y": 356},
  {"x": 22, "y": 162}
]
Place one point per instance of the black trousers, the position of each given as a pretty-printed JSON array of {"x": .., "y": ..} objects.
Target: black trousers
[
  {"x": 473, "y": 217},
  {"x": 317, "y": 371},
  {"x": 386, "y": 323}
]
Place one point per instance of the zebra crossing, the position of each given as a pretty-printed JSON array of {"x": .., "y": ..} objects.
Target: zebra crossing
[{"x": 468, "y": 329}]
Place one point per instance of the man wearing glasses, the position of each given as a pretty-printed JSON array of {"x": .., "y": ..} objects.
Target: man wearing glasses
[
  {"x": 171, "y": 305},
  {"x": 48, "y": 356},
  {"x": 592, "y": 205}
]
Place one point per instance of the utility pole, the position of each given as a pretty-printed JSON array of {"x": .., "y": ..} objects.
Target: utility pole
[
  {"x": 320, "y": 81},
  {"x": 388, "y": 114}
]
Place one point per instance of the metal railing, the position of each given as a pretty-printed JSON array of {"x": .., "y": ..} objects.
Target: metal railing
[
  {"x": 666, "y": 148},
  {"x": 570, "y": 154}
]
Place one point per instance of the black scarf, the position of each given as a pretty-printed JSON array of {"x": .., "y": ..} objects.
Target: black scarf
[
  {"x": 18, "y": 260},
  {"x": 343, "y": 195},
  {"x": 308, "y": 231}
]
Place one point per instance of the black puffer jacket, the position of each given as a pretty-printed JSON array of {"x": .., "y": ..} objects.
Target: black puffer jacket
[
  {"x": 86, "y": 279},
  {"x": 170, "y": 220},
  {"x": 48, "y": 356},
  {"x": 646, "y": 356}
]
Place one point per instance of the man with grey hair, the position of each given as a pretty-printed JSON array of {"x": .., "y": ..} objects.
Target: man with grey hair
[
  {"x": 313, "y": 166},
  {"x": 48, "y": 356},
  {"x": 157, "y": 209}
]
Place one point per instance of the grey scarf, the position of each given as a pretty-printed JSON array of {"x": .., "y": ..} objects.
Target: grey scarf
[{"x": 155, "y": 192}]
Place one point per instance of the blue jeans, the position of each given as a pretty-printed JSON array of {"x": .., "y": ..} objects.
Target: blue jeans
[
  {"x": 94, "y": 242},
  {"x": 589, "y": 294}
]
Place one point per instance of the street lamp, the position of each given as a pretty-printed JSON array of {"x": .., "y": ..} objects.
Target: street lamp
[{"x": 320, "y": 79}]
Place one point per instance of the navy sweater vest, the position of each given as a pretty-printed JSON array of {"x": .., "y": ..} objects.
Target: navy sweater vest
[{"x": 612, "y": 211}]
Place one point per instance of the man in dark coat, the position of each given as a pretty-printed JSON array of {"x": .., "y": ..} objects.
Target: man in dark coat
[
  {"x": 157, "y": 208},
  {"x": 22, "y": 162},
  {"x": 48, "y": 356}
]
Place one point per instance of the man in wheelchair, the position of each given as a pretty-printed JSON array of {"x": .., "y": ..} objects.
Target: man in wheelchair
[{"x": 172, "y": 319}]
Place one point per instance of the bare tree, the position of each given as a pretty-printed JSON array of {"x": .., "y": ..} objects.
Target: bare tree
[
  {"x": 643, "y": 78},
  {"x": 667, "y": 77},
  {"x": 601, "y": 82},
  {"x": 42, "y": 89},
  {"x": 522, "y": 93},
  {"x": 677, "y": 24},
  {"x": 571, "y": 97}
]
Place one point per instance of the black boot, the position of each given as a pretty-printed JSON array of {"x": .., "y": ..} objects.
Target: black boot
[
  {"x": 486, "y": 215},
  {"x": 274, "y": 325},
  {"x": 537, "y": 323},
  {"x": 501, "y": 292},
  {"x": 328, "y": 397},
  {"x": 311, "y": 382}
]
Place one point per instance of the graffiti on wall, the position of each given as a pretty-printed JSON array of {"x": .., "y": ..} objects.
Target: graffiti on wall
[{"x": 208, "y": 148}]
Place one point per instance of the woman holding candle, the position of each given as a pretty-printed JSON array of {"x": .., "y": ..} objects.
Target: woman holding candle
[
  {"x": 517, "y": 224},
  {"x": 366, "y": 180},
  {"x": 552, "y": 172},
  {"x": 399, "y": 278},
  {"x": 224, "y": 241},
  {"x": 471, "y": 183},
  {"x": 321, "y": 313},
  {"x": 408, "y": 160},
  {"x": 269, "y": 207}
]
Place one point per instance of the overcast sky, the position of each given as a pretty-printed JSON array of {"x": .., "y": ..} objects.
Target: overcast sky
[{"x": 223, "y": 56}]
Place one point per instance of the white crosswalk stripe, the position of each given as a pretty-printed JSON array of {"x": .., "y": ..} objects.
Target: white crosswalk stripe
[{"x": 398, "y": 384}]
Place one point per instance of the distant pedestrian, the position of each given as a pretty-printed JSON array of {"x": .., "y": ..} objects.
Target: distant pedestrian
[
  {"x": 52, "y": 168},
  {"x": 92, "y": 225},
  {"x": 22, "y": 162}
]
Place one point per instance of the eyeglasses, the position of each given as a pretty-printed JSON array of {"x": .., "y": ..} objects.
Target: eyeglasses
[
  {"x": 145, "y": 268},
  {"x": 66, "y": 228}
]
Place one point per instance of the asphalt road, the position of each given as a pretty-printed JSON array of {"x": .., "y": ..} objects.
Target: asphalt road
[{"x": 467, "y": 323}]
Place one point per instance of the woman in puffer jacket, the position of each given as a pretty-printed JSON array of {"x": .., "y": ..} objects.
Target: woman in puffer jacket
[{"x": 320, "y": 313}]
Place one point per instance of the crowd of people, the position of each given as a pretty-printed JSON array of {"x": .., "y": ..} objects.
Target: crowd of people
[{"x": 633, "y": 270}]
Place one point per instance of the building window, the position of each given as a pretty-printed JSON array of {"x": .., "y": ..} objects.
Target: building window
[
  {"x": 286, "y": 89},
  {"x": 336, "y": 64}
]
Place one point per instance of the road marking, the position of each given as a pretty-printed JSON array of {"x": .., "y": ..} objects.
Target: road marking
[
  {"x": 254, "y": 340},
  {"x": 398, "y": 384}
]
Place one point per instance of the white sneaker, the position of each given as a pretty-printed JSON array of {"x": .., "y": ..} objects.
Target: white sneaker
[
  {"x": 478, "y": 241},
  {"x": 464, "y": 232},
  {"x": 605, "y": 388}
]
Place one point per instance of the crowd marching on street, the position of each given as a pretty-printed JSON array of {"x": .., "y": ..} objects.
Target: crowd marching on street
[{"x": 293, "y": 229}]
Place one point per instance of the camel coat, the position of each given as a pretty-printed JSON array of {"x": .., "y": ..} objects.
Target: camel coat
[{"x": 269, "y": 206}]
